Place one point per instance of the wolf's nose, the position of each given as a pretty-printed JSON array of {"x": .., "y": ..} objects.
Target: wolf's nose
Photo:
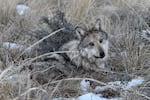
[{"x": 102, "y": 54}]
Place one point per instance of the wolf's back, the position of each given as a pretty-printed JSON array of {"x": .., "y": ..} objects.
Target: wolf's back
[{"x": 54, "y": 42}]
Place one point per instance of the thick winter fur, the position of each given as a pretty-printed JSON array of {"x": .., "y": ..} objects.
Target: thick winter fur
[
  {"x": 90, "y": 50},
  {"x": 54, "y": 42},
  {"x": 86, "y": 49}
]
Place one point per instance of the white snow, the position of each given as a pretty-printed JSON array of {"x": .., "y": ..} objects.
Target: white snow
[
  {"x": 88, "y": 96},
  {"x": 124, "y": 53},
  {"x": 63, "y": 98},
  {"x": 121, "y": 84},
  {"x": 11, "y": 45},
  {"x": 101, "y": 88},
  {"x": 146, "y": 34},
  {"x": 118, "y": 84},
  {"x": 92, "y": 96},
  {"x": 21, "y": 9},
  {"x": 135, "y": 82},
  {"x": 147, "y": 31},
  {"x": 85, "y": 85}
]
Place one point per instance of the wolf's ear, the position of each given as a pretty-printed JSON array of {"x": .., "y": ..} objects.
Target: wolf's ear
[
  {"x": 97, "y": 24},
  {"x": 80, "y": 32}
]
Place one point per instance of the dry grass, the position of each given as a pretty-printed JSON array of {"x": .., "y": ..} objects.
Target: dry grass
[
  {"x": 7, "y": 10},
  {"x": 78, "y": 10},
  {"x": 122, "y": 19}
]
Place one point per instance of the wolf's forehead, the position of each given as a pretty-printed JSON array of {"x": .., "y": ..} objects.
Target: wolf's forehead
[
  {"x": 96, "y": 35},
  {"x": 99, "y": 34}
]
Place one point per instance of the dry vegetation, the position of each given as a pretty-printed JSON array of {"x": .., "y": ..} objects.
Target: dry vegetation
[{"x": 129, "y": 51}]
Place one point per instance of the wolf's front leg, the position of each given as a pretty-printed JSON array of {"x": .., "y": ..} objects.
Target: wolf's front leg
[{"x": 87, "y": 65}]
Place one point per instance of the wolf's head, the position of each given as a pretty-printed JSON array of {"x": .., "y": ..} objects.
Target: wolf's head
[{"x": 93, "y": 43}]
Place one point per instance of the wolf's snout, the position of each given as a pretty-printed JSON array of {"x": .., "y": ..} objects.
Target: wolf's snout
[{"x": 102, "y": 54}]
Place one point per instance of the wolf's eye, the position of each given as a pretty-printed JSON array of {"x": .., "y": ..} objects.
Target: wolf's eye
[
  {"x": 100, "y": 41},
  {"x": 91, "y": 44}
]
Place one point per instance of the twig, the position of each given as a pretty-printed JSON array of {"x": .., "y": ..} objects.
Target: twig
[
  {"x": 58, "y": 84},
  {"x": 46, "y": 54},
  {"x": 90, "y": 79},
  {"x": 5, "y": 71},
  {"x": 147, "y": 97},
  {"x": 76, "y": 79},
  {"x": 29, "y": 90}
]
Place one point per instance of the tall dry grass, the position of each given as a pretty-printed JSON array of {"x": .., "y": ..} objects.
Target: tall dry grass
[
  {"x": 78, "y": 10},
  {"x": 7, "y": 10},
  {"x": 122, "y": 19}
]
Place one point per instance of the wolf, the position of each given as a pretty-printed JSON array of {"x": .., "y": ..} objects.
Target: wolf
[
  {"x": 87, "y": 48},
  {"x": 90, "y": 50},
  {"x": 81, "y": 48}
]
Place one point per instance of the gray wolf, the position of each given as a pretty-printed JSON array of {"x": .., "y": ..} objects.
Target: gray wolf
[
  {"x": 91, "y": 47},
  {"x": 85, "y": 48}
]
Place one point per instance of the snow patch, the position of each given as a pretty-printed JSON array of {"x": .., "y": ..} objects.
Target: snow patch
[
  {"x": 21, "y": 9},
  {"x": 146, "y": 34},
  {"x": 91, "y": 96},
  {"x": 11, "y": 45},
  {"x": 117, "y": 85},
  {"x": 124, "y": 53},
  {"x": 88, "y": 96},
  {"x": 101, "y": 88},
  {"x": 85, "y": 85},
  {"x": 135, "y": 82},
  {"x": 121, "y": 84},
  {"x": 63, "y": 98}
]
